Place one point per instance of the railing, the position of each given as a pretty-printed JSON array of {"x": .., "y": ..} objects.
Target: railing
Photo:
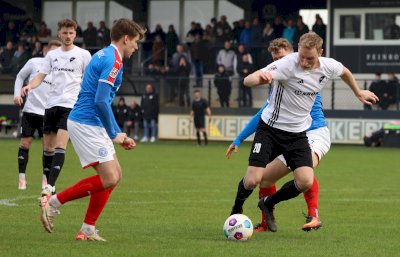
[{"x": 174, "y": 91}]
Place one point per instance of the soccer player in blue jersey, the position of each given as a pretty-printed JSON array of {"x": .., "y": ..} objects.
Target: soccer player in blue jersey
[
  {"x": 318, "y": 137},
  {"x": 93, "y": 130}
]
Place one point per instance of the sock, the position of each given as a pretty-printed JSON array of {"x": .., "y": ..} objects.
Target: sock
[
  {"x": 88, "y": 229},
  {"x": 47, "y": 160},
  {"x": 205, "y": 138},
  {"x": 56, "y": 165},
  {"x": 242, "y": 194},
  {"x": 96, "y": 205},
  {"x": 198, "y": 138},
  {"x": 262, "y": 193},
  {"x": 81, "y": 189},
  {"x": 23, "y": 156},
  {"x": 311, "y": 197},
  {"x": 287, "y": 191},
  {"x": 21, "y": 176}
]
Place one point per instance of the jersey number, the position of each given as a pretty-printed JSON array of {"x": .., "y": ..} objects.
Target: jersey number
[{"x": 257, "y": 148}]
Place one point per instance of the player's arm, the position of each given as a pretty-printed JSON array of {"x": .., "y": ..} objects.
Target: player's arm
[
  {"x": 365, "y": 96},
  {"x": 245, "y": 133},
  {"x": 106, "y": 115},
  {"x": 257, "y": 78},
  {"x": 34, "y": 83},
  {"x": 22, "y": 75}
]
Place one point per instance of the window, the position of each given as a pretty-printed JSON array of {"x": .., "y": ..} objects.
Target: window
[
  {"x": 53, "y": 12},
  {"x": 382, "y": 26},
  {"x": 378, "y": 26},
  {"x": 350, "y": 26}
]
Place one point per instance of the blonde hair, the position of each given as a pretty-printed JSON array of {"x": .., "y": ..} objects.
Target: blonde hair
[
  {"x": 279, "y": 43},
  {"x": 311, "y": 40},
  {"x": 54, "y": 42}
]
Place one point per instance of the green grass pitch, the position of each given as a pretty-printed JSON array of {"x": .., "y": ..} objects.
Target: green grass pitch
[{"x": 174, "y": 198}]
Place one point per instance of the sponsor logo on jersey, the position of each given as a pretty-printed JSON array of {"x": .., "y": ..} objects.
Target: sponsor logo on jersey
[
  {"x": 114, "y": 72},
  {"x": 299, "y": 92},
  {"x": 63, "y": 69}
]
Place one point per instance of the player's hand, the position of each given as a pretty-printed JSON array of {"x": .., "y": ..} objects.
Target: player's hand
[
  {"x": 119, "y": 139},
  {"x": 265, "y": 77},
  {"x": 18, "y": 100},
  {"x": 25, "y": 90},
  {"x": 128, "y": 143},
  {"x": 230, "y": 150},
  {"x": 367, "y": 97}
]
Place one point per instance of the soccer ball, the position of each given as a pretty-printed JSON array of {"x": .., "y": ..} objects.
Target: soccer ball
[{"x": 238, "y": 227}]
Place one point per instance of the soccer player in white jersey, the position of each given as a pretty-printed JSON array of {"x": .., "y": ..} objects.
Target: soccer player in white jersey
[
  {"x": 32, "y": 114},
  {"x": 66, "y": 65},
  {"x": 93, "y": 130},
  {"x": 318, "y": 137},
  {"x": 300, "y": 76}
]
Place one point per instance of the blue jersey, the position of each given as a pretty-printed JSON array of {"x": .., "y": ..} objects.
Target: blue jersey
[
  {"x": 317, "y": 115},
  {"x": 104, "y": 67}
]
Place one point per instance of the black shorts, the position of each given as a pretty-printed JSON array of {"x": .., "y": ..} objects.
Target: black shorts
[
  {"x": 270, "y": 142},
  {"x": 199, "y": 122},
  {"x": 30, "y": 123},
  {"x": 55, "y": 118}
]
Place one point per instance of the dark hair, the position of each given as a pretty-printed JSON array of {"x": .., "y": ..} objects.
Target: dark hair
[
  {"x": 123, "y": 27},
  {"x": 67, "y": 23}
]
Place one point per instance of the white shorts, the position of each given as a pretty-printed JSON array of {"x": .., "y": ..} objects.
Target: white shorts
[
  {"x": 91, "y": 143},
  {"x": 319, "y": 140}
]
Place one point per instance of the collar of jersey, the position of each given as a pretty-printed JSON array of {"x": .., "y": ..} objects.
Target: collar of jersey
[{"x": 117, "y": 50}]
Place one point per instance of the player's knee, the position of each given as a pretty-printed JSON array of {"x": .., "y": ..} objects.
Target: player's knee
[{"x": 304, "y": 184}]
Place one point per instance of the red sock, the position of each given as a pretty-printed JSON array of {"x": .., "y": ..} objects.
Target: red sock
[
  {"x": 81, "y": 189},
  {"x": 311, "y": 197},
  {"x": 96, "y": 205},
  {"x": 263, "y": 192}
]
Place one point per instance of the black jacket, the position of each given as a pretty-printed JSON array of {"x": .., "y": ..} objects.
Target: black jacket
[{"x": 150, "y": 106}]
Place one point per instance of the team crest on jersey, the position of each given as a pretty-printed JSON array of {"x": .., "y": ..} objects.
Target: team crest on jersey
[
  {"x": 113, "y": 73},
  {"x": 103, "y": 152},
  {"x": 71, "y": 59},
  {"x": 100, "y": 53}
]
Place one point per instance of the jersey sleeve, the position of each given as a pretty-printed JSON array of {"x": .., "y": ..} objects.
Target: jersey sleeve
[
  {"x": 45, "y": 66},
  {"x": 111, "y": 66},
  {"x": 22, "y": 75},
  {"x": 280, "y": 69},
  {"x": 335, "y": 68}
]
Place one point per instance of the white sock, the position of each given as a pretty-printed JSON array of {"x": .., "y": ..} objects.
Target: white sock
[
  {"x": 87, "y": 229},
  {"x": 54, "y": 202},
  {"x": 21, "y": 175}
]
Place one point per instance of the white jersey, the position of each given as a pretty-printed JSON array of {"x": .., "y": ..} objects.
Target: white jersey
[
  {"x": 67, "y": 68},
  {"x": 295, "y": 90},
  {"x": 36, "y": 99}
]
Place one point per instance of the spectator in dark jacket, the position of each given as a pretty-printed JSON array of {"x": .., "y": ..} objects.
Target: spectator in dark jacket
[
  {"x": 198, "y": 50},
  {"x": 224, "y": 86},
  {"x": 182, "y": 72},
  {"x": 121, "y": 113},
  {"x": 150, "y": 109},
  {"x": 6, "y": 56},
  {"x": 90, "y": 35},
  {"x": 134, "y": 119},
  {"x": 245, "y": 69}
]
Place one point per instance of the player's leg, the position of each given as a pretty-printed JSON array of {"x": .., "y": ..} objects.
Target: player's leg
[
  {"x": 153, "y": 126},
  {"x": 260, "y": 154},
  {"x": 203, "y": 130},
  {"x": 274, "y": 171},
  {"x": 319, "y": 140},
  {"x": 23, "y": 157},
  {"x": 298, "y": 157},
  {"x": 59, "y": 156},
  {"x": 27, "y": 132},
  {"x": 96, "y": 205},
  {"x": 48, "y": 153}
]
